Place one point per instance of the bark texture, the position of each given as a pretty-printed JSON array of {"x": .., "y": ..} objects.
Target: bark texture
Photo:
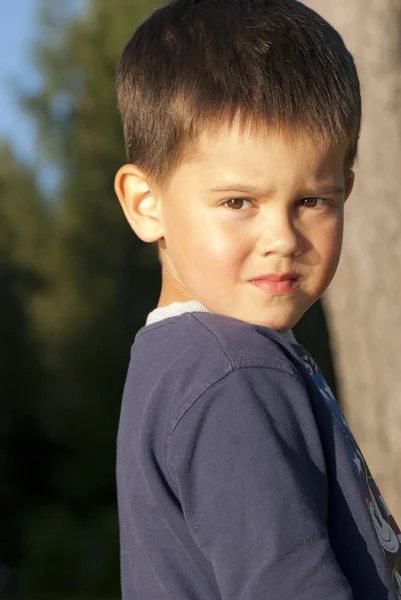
[{"x": 363, "y": 304}]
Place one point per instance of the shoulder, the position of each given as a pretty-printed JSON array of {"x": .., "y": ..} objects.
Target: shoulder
[
  {"x": 200, "y": 371},
  {"x": 174, "y": 362},
  {"x": 259, "y": 408},
  {"x": 217, "y": 343},
  {"x": 245, "y": 344}
]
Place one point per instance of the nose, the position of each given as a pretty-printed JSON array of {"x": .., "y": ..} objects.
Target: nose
[{"x": 280, "y": 236}]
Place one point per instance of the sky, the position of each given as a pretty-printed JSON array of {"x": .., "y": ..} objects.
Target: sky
[{"x": 17, "y": 31}]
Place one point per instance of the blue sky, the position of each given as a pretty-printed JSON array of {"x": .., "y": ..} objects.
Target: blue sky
[{"x": 17, "y": 30}]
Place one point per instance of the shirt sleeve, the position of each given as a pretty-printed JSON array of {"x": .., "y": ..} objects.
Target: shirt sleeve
[{"x": 248, "y": 465}]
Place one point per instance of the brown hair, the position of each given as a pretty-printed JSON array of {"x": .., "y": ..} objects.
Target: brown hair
[{"x": 195, "y": 63}]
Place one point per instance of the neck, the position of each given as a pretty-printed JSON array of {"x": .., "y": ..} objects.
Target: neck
[{"x": 172, "y": 291}]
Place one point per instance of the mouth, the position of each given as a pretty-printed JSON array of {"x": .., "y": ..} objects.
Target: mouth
[{"x": 277, "y": 284}]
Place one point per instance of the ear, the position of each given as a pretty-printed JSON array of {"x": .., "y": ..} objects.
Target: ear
[
  {"x": 349, "y": 184},
  {"x": 138, "y": 203}
]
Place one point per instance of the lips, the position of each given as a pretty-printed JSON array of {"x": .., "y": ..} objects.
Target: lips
[
  {"x": 275, "y": 277},
  {"x": 276, "y": 284}
]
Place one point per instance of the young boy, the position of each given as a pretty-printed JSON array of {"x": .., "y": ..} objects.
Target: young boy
[{"x": 238, "y": 477}]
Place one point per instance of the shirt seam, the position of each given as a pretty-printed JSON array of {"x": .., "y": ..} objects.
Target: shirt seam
[
  {"x": 245, "y": 361},
  {"x": 190, "y": 403},
  {"x": 146, "y": 329}
]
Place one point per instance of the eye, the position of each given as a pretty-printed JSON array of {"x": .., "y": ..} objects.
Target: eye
[
  {"x": 314, "y": 202},
  {"x": 238, "y": 203}
]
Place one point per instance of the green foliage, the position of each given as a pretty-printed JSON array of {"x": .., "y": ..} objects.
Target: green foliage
[
  {"x": 23, "y": 449},
  {"x": 70, "y": 272},
  {"x": 76, "y": 286}
]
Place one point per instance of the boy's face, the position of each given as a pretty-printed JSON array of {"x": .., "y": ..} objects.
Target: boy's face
[{"x": 252, "y": 225}]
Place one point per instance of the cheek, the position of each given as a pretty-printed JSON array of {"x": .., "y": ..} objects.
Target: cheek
[
  {"x": 328, "y": 244},
  {"x": 214, "y": 253},
  {"x": 214, "y": 256},
  {"x": 212, "y": 239},
  {"x": 227, "y": 245}
]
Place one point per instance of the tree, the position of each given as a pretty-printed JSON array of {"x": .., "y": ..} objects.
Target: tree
[
  {"x": 89, "y": 307},
  {"x": 363, "y": 307},
  {"x": 24, "y": 452}
]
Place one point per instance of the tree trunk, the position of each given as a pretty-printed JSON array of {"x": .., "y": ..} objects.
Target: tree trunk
[{"x": 363, "y": 304}]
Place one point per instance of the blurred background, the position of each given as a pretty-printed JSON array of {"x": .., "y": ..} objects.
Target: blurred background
[{"x": 76, "y": 285}]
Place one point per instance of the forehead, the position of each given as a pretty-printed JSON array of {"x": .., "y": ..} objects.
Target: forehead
[{"x": 261, "y": 155}]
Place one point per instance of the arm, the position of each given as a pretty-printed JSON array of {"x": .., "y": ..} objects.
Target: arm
[{"x": 248, "y": 465}]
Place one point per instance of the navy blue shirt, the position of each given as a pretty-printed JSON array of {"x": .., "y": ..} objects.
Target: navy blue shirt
[{"x": 238, "y": 477}]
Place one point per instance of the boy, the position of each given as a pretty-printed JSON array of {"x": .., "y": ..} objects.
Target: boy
[{"x": 238, "y": 477}]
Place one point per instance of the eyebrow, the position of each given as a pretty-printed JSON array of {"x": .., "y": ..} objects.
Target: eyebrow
[
  {"x": 237, "y": 187},
  {"x": 244, "y": 188},
  {"x": 326, "y": 190}
]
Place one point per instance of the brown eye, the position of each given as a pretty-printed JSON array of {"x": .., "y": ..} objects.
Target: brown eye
[
  {"x": 312, "y": 202},
  {"x": 237, "y": 203}
]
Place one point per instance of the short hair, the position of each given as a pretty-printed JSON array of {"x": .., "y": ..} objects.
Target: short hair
[{"x": 194, "y": 64}]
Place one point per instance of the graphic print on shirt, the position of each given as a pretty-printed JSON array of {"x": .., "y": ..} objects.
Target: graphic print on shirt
[{"x": 386, "y": 528}]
